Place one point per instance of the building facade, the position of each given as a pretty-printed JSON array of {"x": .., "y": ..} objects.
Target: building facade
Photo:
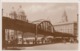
[
  {"x": 11, "y": 35},
  {"x": 71, "y": 28}
]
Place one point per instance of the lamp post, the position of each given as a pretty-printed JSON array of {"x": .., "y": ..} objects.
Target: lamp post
[
  {"x": 2, "y": 12},
  {"x": 36, "y": 35}
]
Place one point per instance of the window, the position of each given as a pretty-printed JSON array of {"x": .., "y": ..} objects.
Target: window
[{"x": 6, "y": 34}]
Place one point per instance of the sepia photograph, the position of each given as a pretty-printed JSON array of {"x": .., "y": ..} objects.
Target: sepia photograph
[{"x": 39, "y": 26}]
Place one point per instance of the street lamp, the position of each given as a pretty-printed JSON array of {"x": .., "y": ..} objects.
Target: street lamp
[{"x": 36, "y": 35}]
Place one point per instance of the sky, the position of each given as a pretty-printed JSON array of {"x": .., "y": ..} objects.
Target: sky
[{"x": 47, "y": 11}]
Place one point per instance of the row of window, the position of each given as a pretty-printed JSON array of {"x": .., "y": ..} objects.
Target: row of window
[{"x": 65, "y": 28}]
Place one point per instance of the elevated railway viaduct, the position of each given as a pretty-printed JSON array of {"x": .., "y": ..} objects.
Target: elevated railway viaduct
[{"x": 44, "y": 28}]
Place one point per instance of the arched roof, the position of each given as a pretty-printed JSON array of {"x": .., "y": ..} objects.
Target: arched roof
[{"x": 38, "y": 21}]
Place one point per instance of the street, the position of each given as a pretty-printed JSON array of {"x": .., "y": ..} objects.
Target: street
[{"x": 57, "y": 46}]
